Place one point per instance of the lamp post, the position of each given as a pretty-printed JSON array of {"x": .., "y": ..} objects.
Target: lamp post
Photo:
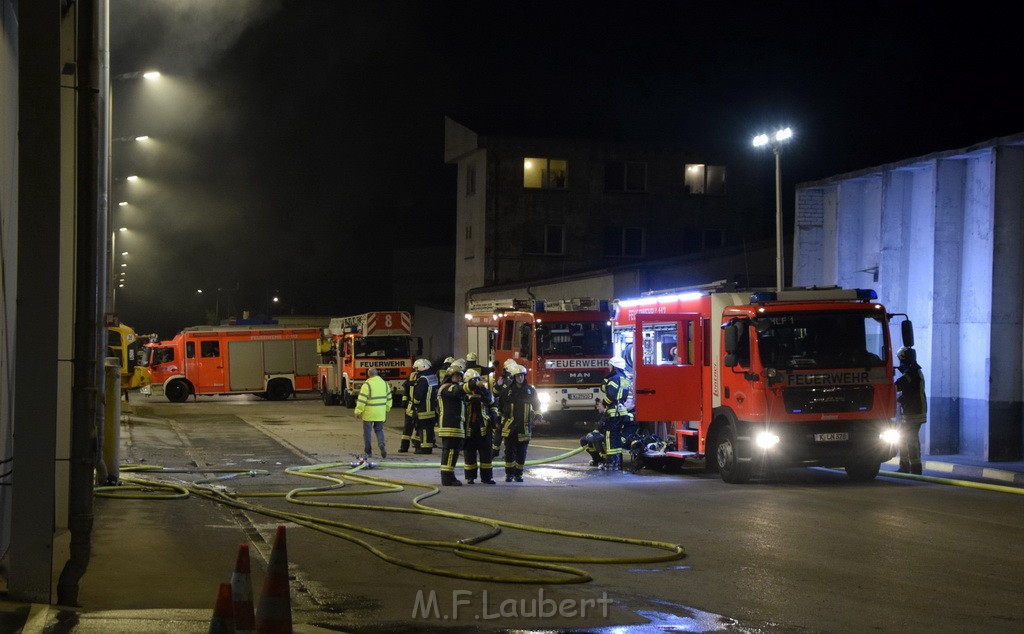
[{"x": 775, "y": 141}]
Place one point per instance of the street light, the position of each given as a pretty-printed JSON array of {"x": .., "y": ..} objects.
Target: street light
[{"x": 775, "y": 142}]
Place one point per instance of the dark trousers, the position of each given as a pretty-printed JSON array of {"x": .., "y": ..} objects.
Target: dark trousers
[
  {"x": 515, "y": 454},
  {"x": 450, "y": 448},
  {"x": 425, "y": 432},
  {"x": 478, "y": 453}
]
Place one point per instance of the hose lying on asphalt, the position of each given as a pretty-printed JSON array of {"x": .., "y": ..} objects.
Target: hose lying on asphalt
[{"x": 553, "y": 568}]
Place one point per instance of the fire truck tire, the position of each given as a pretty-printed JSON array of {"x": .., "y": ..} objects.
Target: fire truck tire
[
  {"x": 729, "y": 467},
  {"x": 349, "y": 397},
  {"x": 863, "y": 471},
  {"x": 177, "y": 391},
  {"x": 279, "y": 390}
]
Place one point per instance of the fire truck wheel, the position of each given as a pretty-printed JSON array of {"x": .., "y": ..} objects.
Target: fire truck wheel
[
  {"x": 279, "y": 390},
  {"x": 177, "y": 391},
  {"x": 729, "y": 467},
  {"x": 350, "y": 398},
  {"x": 862, "y": 471},
  {"x": 328, "y": 398}
]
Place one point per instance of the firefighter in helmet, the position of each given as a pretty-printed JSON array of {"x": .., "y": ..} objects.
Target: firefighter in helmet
[
  {"x": 424, "y": 402},
  {"x": 913, "y": 409},
  {"x": 521, "y": 408},
  {"x": 481, "y": 415},
  {"x": 615, "y": 390},
  {"x": 452, "y": 414},
  {"x": 499, "y": 388},
  {"x": 409, "y": 429}
]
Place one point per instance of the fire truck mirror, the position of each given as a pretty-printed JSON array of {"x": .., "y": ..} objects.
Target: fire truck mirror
[
  {"x": 907, "y": 330},
  {"x": 732, "y": 335}
]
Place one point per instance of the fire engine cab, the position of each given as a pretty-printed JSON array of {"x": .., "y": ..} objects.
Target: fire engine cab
[{"x": 797, "y": 377}]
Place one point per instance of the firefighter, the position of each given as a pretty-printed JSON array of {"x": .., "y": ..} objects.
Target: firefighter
[
  {"x": 473, "y": 363},
  {"x": 522, "y": 407},
  {"x": 481, "y": 415},
  {"x": 424, "y": 402},
  {"x": 615, "y": 390},
  {"x": 451, "y": 399},
  {"x": 499, "y": 389},
  {"x": 913, "y": 410},
  {"x": 373, "y": 406},
  {"x": 442, "y": 368},
  {"x": 409, "y": 429}
]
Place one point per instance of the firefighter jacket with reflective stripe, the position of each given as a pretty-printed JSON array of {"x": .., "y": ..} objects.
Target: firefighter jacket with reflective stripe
[
  {"x": 424, "y": 396},
  {"x": 481, "y": 411},
  {"x": 521, "y": 404},
  {"x": 451, "y": 399},
  {"x": 374, "y": 400},
  {"x": 912, "y": 399},
  {"x": 408, "y": 387},
  {"x": 616, "y": 388}
]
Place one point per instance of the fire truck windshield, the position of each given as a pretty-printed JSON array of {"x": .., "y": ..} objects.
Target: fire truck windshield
[
  {"x": 382, "y": 347},
  {"x": 574, "y": 338},
  {"x": 821, "y": 340}
]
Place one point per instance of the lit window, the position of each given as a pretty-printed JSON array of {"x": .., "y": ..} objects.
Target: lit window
[
  {"x": 543, "y": 173},
  {"x": 705, "y": 179},
  {"x": 546, "y": 240},
  {"x": 621, "y": 176}
]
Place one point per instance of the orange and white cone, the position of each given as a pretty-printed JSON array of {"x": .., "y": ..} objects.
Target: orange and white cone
[
  {"x": 241, "y": 594},
  {"x": 223, "y": 621},
  {"x": 274, "y": 613}
]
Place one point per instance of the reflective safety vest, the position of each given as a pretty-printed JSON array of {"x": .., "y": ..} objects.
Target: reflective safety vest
[{"x": 374, "y": 400}]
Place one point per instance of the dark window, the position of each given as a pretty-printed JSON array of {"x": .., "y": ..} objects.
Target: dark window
[
  {"x": 625, "y": 176},
  {"x": 546, "y": 240},
  {"x": 624, "y": 241},
  {"x": 209, "y": 348}
]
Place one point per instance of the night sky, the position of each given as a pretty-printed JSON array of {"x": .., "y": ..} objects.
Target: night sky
[{"x": 297, "y": 146}]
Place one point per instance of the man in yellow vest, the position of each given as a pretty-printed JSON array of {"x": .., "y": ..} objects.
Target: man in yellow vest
[{"x": 372, "y": 406}]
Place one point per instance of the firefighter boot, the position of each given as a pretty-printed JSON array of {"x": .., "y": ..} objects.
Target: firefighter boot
[
  {"x": 519, "y": 475},
  {"x": 486, "y": 476},
  {"x": 448, "y": 479},
  {"x": 915, "y": 468},
  {"x": 404, "y": 447},
  {"x": 383, "y": 452}
]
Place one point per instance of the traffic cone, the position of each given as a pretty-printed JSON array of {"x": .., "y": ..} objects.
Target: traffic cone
[
  {"x": 222, "y": 621},
  {"x": 274, "y": 613},
  {"x": 241, "y": 594}
]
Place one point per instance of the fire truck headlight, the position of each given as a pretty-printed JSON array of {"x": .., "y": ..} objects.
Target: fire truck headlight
[
  {"x": 545, "y": 401},
  {"x": 766, "y": 440},
  {"x": 891, "y": 436}
]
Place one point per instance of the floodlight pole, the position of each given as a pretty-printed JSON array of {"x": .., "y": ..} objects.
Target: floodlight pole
[{"x": 778, "y": 217}]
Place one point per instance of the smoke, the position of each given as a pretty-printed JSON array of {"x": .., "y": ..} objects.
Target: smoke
[{"x": 179, "y": 36}]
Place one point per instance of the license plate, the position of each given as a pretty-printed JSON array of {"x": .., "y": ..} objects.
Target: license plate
[
  {"x": 838, "y": 436},
  {"x": 580, "y": 397}
]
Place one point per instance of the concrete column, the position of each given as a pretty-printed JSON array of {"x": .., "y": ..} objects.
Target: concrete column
[
  {"x": 1004, "y": 439},
  {"x": 39, "y": 492}
]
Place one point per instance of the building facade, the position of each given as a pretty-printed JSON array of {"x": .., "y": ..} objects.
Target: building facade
[
  {"x": 534, "y": 209},
  {"x": 940, "y": 238}
]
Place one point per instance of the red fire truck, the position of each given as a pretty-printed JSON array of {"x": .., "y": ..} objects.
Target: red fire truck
[
  {"x": 793, "y": 378},
  {"x": 565, "y": 346},
  {"x": 269, "y": 361},
  {"x": 380, "y": 339}
]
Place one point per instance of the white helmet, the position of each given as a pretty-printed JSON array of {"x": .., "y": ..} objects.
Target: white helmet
[
  {"x": 420, "y": 365},
  {"x": 519, "y": 370},
  {"x": 470, "y": 375},
  {"x": 449, "y": 359},
  {"x": 510, "y": 366},
  {"x": 617, "y": 362},
  {"x": 471, "y": 356},
  {"x": 458, "y": 365}
]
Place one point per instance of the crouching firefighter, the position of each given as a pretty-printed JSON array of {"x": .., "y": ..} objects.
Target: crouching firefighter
[
  {"x": 481, "y": 414},
  {"x": 593, "y": 441}
]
